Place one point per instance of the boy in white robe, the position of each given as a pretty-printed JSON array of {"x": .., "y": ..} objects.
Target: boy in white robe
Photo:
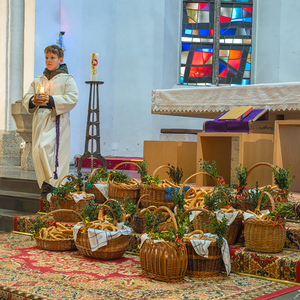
[{"x": 51, "y": 123}]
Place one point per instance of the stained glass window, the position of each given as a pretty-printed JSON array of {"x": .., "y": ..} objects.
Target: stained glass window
[{"x": 235, "y": 37}]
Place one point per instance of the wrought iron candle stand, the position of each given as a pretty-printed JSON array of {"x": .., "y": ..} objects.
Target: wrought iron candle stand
[{"x": 93, "y": 127}]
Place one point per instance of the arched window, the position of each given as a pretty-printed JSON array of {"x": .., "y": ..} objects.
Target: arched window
[{"x": 210, "y": 58}]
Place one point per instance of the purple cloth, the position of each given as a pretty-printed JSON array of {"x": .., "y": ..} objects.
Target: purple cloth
[{"x": 235, "y": 125}]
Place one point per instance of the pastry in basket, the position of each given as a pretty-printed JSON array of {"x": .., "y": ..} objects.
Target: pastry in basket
[
  {"x": 58, "y": 237},
  {"x": 101, "y": 239}
]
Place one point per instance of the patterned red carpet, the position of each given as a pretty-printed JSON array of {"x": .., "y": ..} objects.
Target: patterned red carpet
[{"x": 26, "y": 272}]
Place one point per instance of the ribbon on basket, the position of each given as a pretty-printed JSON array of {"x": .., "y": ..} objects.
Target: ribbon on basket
[
  {"x": 99, "y": 238},
  {"x": 169, "y": 191},
  {"x": 201, "y": 248}
]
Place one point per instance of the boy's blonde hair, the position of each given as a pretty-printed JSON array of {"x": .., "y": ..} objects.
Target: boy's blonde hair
[{"x": 55, "y": 49}]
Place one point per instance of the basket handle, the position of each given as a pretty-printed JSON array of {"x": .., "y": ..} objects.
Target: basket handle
[
  {"x": 257, "y": 209},
  {"x": 123, "y": 163},
  {"x": 165, "y": 166},
  {"x": 126, "y": 163},
  {"x": 93, "y": 172},
  {"x": 143, "y": 211},
  {"x": 257, "y": 165},
  {"x": 138, "y": 203},
  {"x": 169, "y": 212},
  {"x": 100, "y": 213},
  {"x": 199, "y": 173},
  {"x": 61, "y": 210},
  {"x": 187, "y": 237},
  {"x": 66, "y": 176}
]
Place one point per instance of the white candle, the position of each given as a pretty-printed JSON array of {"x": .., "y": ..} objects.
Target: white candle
[{"x": 94, "y": 66}]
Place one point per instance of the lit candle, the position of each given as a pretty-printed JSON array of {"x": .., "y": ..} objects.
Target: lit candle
[
  {"x": 40, "y": 90},
  {"x": 94, "y": 67}
]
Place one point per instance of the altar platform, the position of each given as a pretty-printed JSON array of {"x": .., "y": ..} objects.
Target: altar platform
[{"x": 26, "y": 272}]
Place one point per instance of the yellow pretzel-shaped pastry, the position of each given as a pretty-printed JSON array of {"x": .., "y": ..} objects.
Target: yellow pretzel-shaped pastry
[{"x": 190, "y": 192}]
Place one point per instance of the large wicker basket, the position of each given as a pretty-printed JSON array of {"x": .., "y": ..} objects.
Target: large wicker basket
[
  {"x": 114, "y": 249},
  {"x": 117, "y": 191},
  {"x": 244, "y": 200},
  {"x": 57, "y": 244},
  {"x": 67, "y": 202},
  {"x": 264, "y": 235},
  {"x": 199, "y": 266},
  {"x": 233, "y": 228},
  {"x": 163, "y": 261},
  {"x": 156, "y": 193},
  {"x": 99, "y": 197}
]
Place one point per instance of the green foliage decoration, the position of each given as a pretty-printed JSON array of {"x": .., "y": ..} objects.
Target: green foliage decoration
[
  {"x": 282, "y": 179},
  {"x": 177, "y": 177},
  {"x": 37, "y": 225},
  {"x": 142, "y": 170},
  {"x": 119, "y": 176},
  {"x": 210, "y": 168}
]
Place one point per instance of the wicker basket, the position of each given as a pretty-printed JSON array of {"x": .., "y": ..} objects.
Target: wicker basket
[
  {"x": 101, "y": 215},
  {"x": 138, "y": 221},
  {"x": 59, "y": 244},
  {"x": 163, "y": 261},
  {"x": 114, "y": 249},
  {"x": 99, "y": 198},
  {"x": 264, "y": 235},
  {"x": 120, "y": 192},
  {"x": 156, "y": 193},
  {"x": 67, "y": 202},
  {"x": 199, "y": 266},
  {"x": 244, "y": 200}
]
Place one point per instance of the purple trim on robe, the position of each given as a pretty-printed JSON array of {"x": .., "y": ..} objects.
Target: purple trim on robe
[
  {"x": 57, "y": 146},
  {"x": 235, "y": 125}
]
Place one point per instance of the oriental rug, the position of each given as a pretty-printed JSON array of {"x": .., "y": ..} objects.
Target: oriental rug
[{"x": 26, "y": 272}]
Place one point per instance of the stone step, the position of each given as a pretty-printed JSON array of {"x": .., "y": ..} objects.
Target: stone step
[
  {"x": 19, "y": 201},
  {"x": 19, "y": 185},
  {"x": 7, "y": 219}
]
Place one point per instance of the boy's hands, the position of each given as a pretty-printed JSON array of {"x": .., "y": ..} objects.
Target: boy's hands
[{"x": 42, "y": 100}]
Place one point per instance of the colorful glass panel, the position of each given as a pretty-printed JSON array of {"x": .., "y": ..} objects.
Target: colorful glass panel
[
  {"x": 197, "y": 20},
  {"x": 202, "y": 5},
  {"x": 235, "y": 42}
]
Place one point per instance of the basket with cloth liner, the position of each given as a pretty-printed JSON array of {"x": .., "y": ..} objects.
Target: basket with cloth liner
[
  {"x": 138, "y": 220},
  {"x": 234, "y": 220},
  {"x": 74, "y": 201},
  {"x": 244, "y": 199},
  {"x": 100, "y": 239},
  {"x": 99, "y": 188},
  {"x": 203, "y": 217},
  {"x": 58, "y": 237},
  {"x": 163, "y": 260},
  {"x": 157, "y": 193},
  {"x": 120, "y": 191},
  {"x": 264, "y": 235},
  {"x": 205, "y": 258}
]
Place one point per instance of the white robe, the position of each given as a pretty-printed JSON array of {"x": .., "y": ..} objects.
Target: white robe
[{"x": 63, "y": 89}]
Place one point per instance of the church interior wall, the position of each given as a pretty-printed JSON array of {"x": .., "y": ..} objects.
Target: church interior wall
[{"x": 138, "y": 46}]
